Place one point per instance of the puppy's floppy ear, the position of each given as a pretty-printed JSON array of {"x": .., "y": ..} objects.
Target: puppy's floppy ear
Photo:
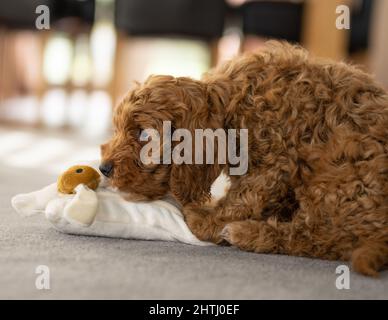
[{"x": 191, "y": 183}]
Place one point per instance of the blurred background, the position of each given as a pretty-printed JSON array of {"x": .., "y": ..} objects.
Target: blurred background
[{"x": 58, "y": 86}]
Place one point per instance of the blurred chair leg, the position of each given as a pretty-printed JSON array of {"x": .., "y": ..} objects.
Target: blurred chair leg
[
  {"x": 320, "y": 35},
  {"x": 379, "y": 42},
  {"x": 213, "y": 47},
  {"x": 2, "y": 63},
  {"x": 8, "y": 72},
  {"x": 42, "y": 85},
  {"x": 115, "y": 86}
]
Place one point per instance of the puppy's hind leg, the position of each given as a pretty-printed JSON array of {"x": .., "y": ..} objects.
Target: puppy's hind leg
[{"x": 370, "y": 257}]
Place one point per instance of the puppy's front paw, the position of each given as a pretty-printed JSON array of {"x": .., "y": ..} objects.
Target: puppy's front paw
[
  {"x": 202, "y": 223},
  {"x": 233, "y": 232},
  {"x": 250, "y": 235}
]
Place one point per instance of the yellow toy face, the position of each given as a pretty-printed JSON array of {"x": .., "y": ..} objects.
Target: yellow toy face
[{"x": 76, "y": 175}]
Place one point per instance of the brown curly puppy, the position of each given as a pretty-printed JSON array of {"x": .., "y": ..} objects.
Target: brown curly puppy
[{"x": 317, "y": 183}]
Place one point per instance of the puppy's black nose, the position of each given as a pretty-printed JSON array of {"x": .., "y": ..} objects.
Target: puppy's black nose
[{"x": 106, "y": 168}]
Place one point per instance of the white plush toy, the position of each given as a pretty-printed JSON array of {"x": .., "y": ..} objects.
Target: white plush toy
[{"x": 73, "y": 207}]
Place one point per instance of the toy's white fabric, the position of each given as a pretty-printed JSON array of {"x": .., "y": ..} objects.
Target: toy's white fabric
[
  {"x": 82, "y": 209},
  {"x": 105, "y": 212}
]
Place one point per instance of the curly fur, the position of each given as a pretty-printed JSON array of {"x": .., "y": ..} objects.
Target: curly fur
[{"x": 317, "y": 183}]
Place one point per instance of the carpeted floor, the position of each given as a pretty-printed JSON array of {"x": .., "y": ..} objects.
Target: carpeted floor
[{"x": 102, "y": 268}]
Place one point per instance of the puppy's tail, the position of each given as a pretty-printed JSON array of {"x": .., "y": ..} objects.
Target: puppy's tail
[{"x": 370, "y": 258}]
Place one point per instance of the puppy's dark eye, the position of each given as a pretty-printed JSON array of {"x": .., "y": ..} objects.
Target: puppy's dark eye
[
  {"x": 144, "y": 135},
  {"x": 79, "y": 170}
]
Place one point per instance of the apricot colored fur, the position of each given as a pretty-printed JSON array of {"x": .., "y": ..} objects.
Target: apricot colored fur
[{"x": 317, "y": 183}]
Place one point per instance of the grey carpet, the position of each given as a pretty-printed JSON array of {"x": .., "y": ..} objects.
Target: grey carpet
[{"x": 102, "y": 268}]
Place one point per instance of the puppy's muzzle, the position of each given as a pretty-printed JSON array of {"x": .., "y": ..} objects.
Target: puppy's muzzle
[{"x": 106, "y": 169}]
